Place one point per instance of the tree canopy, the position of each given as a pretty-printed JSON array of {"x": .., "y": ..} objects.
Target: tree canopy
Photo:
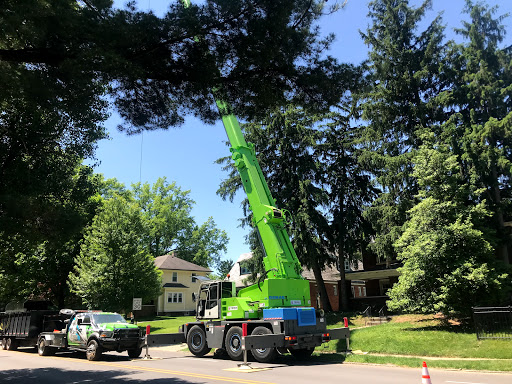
[
  {"x": 113, "y": 266},
  {"x": 168, "y": 65}
]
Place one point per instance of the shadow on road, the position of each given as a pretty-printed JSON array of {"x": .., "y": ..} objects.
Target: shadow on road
[
  {"x": 65, "y": 376},
  {"x": 289, "y": 360}
]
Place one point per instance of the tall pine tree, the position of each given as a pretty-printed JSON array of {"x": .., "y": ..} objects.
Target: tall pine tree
[
  {"x": 404, "y": 66},
  {"x": 479, "y": 130}
]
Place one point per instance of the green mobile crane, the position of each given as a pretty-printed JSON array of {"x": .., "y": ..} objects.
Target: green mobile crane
[{"x": 280, "y": 302}]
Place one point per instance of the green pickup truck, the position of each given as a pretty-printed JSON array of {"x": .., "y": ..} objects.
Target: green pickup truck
[{"x": 93, "y": 332}]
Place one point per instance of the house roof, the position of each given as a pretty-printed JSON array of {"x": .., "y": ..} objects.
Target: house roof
[
  {"x": 175, "y": 263},
  {"x": 330, "y": 273},
  {"x": 174, "y": 285}
]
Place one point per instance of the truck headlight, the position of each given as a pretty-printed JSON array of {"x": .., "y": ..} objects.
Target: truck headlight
[{"x": 106, "y": 334}]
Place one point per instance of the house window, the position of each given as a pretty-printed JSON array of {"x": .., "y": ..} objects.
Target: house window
[
  {"x": 175, "y": 277},
  {"x": 244, "y": 270},
  {"x": 194, "y": 277},
  {"x": 175, "y": 297},
  {"x": 347, "y": 265},
  {"x": 353, "y": 291},
  {"x": 335, "y": 289}
]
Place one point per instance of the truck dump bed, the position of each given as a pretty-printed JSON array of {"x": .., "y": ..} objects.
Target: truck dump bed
[{"x": 29, "y": 324}]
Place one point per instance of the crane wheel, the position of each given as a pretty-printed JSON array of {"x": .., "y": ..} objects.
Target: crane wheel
[
  {"x": 265, "y": 355},
  {"x": 196, "y": 341},
  {"x": 233, "y": 343}
]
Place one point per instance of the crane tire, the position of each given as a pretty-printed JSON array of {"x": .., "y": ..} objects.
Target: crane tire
[
  {"x": 233, "y": 342},
  {"x": 265, "y": 355},
  {"x": 196, "y": 341}
]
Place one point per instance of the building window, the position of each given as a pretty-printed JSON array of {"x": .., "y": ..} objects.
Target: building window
[
  {"x": 244, "y": 270},
  {"x": 360, "y": 291},
  {"x": 194, "y": 277},
  {"x": 335, "y": 289},
  {"x": 175, "y": 277},
  {"x": 353, "y": 291},
  {"x": 347, "y": 265},
  {"x": 175, "y": 297}
]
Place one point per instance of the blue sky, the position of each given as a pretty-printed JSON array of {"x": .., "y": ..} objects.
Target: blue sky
[{"x": 187, "y": 154}]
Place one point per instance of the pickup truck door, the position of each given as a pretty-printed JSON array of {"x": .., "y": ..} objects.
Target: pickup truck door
[
  {"x": 81, "y": 329},
  {"x": 73, "y": 331},
  {"x": 77, "y": 334}
]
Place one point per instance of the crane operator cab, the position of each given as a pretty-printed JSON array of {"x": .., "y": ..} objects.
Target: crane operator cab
[{"x": 208, "y": 302}]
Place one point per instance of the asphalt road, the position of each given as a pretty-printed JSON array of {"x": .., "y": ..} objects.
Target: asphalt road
[{"x": 25, "y": 366}]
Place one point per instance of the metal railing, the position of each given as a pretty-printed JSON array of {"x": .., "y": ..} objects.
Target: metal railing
[
  {"x": 493, "y": 322},
  {"x": 367, "y": 313}
]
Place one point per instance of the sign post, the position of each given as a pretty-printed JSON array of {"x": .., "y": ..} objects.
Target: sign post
[{"x": 148, "y": 331}]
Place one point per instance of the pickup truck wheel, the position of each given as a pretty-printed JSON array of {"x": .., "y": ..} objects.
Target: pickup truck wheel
[
  {"x": 196, "y": 341},
  {"x": 301, "y": 354},
  {"x": 134, "y": 353},
  {"x": 11, "y": 344},
  {"x": 234, "y": 343},
  {"x": 265, "y": 355},
  {"x": 93, "y": 351},
  {"x": 43, "y": 349}
]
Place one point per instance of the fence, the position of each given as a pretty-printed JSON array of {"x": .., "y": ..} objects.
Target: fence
[{"x": 493, "y": 322}]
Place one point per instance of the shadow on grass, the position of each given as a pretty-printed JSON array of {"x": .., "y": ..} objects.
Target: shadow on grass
[
  {"x": 153, "y": 328},
  {"x": 460, "y": 326},
  {"x": 443, "y": 328}
]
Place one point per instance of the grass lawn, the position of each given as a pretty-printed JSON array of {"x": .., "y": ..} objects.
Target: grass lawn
[
  {"x": 427, "y": 336},
  {"x": 166, "y": 324}
]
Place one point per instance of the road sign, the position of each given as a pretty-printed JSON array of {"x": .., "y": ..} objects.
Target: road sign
[{"x": 137, "y": 304}]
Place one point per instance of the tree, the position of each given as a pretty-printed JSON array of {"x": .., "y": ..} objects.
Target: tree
[
  {"x": 350, "y": 192},
  {"x": 169, "y": 226},
  {"x": 37, "y": 255},
  {"x": 224, "y": 267},
  {"x": 166, "y": 211},
  {"x": 161, "y": 72},
  {"x": 113, "y": 266},
  {"x": 203, "y": 244},
  {"x": 448, "y": 267},
  {"x": 479, "y": 128},
  {"x": 405, "y": 72},
  {"x": 448, "y": 258}
]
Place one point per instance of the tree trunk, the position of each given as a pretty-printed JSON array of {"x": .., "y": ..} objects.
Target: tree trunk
[
  {"x": 343, "y": 294},
  {"x": 324, "y": 297}
]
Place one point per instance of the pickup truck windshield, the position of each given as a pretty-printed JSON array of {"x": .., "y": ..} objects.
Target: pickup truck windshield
[{"x": 108, "y": 318}]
